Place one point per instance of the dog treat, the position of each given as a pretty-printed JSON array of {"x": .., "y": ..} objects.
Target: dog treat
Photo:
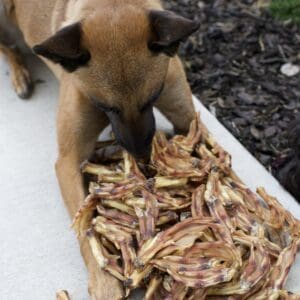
[
  {"x": 62, "y": 295},
  {"x": 191, "y": 229}
]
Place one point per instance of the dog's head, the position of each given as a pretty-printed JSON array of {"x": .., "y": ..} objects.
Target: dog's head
[{"x": 120, "y": 60}]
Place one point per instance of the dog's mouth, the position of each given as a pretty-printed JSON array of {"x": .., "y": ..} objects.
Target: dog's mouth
[
  {"x": 135, "y": 137},
  {"x": 134, "y": 133},
  {"x": 136, "y": 145}
]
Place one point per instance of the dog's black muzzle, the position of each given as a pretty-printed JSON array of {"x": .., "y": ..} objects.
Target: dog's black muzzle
[{"x": 135, "y": 135}]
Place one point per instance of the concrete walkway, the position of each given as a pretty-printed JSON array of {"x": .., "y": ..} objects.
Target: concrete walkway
[{"x": 38, "y": 250}]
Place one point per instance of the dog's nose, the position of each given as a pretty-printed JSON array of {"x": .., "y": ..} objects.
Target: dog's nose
[
  {"x": 144, "y": 154},
  {"x": 136, "y": 134},
  {"x": 138, "y": 146}
]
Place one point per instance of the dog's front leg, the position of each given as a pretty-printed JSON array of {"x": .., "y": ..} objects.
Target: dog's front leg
[
  {"x": 176, "y": 101},
  {"x": 19, "y": 74},
  {"x": 79, "y": 125}
]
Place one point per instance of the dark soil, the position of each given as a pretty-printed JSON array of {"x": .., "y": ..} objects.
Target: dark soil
[{"x": 233, "y": 65}]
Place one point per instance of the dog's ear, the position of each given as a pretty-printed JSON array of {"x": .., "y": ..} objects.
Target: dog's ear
[
  {"x": 168, "y": 30},
  {"x": 65, "y": 48}
]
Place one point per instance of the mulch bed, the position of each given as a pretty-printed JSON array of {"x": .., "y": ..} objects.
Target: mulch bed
[{"x": 233, "y": 65}]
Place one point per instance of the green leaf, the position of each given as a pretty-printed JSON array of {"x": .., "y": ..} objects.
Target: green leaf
[{"x": 286, "y": 10}]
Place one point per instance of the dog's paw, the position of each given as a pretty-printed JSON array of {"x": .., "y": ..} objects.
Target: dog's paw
[
  {"x": 21, "y": 82},
  {"x": 102, "y": 286}
]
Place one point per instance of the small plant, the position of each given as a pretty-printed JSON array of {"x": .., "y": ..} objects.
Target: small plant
[{"x": 286, "y": 10}]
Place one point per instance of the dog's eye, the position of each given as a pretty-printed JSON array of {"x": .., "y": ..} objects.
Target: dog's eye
[
  {"x": 114, "y": 110},
  {"x": 105, "y": 108},
  {"x": 152, "y": 99}
]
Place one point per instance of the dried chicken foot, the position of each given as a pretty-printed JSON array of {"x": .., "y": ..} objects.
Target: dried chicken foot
[
  {"x": 285, "y": 295},
  {"x": 212, "y": 277},
  {"x": 109, "y": 246},
  {"x": 119, "y": 205},
  {"x": 171, "y": 161},
  {"x": 212, "y": 199},
  {"x": 248, "y": 240},
  {"x": 166, "y": 201},
  {"x": 135, "y": 202},
  {"x": 278, "y": 274},
  {"x": 152, "y": 287},
  {"x": 131, "y": 168},
  {"x": 256, "y": 269},
  {"x": 121, "y": 237},
  {"x": 135, "y": 278},
  {"x": 148, "y": 218},
  {"x": 293, "y": 225},
  {"x": 83, "y": 217},
  {"x": 198, "y": 294},
  {"x": 118, "y": 216},
  {"x": 281, "y": 268},
  {"x": 198, "y": 206},
  {"x": 189, "y": 142},
  {"x": 105, "y": 261},
  {"x": 223, "y": 162},
  {"x": 104, "y": 173},
  {"x": 168, "y": 181},
  {"x": 270, "y": 215},
  {"x": 166, "y": 217},
  {"x": 271, "y": 294},
  {"x": 183, "y": 233},
  {"x": 178, "y": 291},
  {"x": 223, "y": 157},
  {"x": 202, "y": 265},
  {"x": 115, "y": 191},
  {"x": 62, "y": 295}
]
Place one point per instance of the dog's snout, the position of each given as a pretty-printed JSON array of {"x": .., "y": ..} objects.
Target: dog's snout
[
  {"x": 138, "y": 145},
  {"x": 149, "y": 138},
  {"x": 142, "y": 152},
  {"x": 136, "y": 137}
]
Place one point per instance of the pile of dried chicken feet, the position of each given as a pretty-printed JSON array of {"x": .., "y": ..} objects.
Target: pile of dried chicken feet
[{"x": 186, "y": 227}]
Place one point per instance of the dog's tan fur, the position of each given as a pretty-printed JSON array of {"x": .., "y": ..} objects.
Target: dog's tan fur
[{"x": 115, "y": 32}]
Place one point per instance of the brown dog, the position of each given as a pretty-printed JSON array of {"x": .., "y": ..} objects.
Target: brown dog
[{"x": 115, "y": 60}]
